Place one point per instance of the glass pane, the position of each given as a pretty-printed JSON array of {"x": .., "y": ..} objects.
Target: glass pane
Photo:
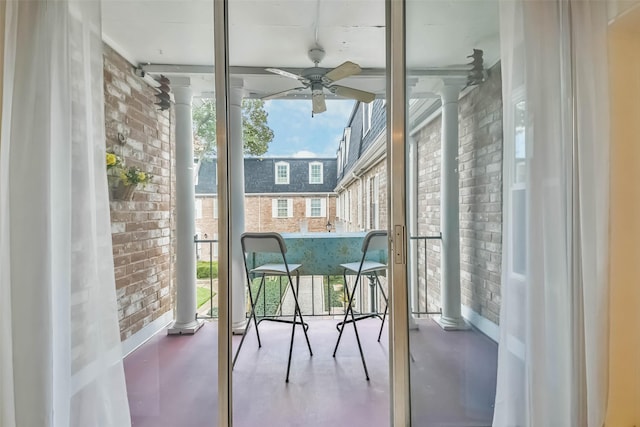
[
  {"x": 280, "y": 55},
  {"x": 454, "y": 176},
  {"x": 520, "y": 149}
]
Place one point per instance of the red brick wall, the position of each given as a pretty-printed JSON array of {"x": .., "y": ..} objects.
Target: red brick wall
[
  {"x": 258, "y": 217},
  {"x": 143, "y": 241}
]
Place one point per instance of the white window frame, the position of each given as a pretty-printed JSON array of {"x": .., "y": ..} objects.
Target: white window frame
[
  {"x": 215, "y": 207},
  {"x": 359, "y": 203},
  {"x": 366, "y": 117},
  {"x": 198, "y": 208},
  {"x": 373, "y": 202},
  {"x": 513, "y": 185},
  {"x": 278, "y": 179},
  {"x": 321, "y": 177},
  {"x": 322, "y": 208},
  {"x": 276, "y": 208},
  {"x": 346, "y": 137}
]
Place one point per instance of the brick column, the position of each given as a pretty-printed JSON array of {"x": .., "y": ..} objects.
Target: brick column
[
  {"x": 451, "y": 318},
  {"x": 185, "y": 322}
]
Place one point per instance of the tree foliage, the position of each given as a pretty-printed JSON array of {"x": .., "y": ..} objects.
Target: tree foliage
[{"x": 256, "y": 133}]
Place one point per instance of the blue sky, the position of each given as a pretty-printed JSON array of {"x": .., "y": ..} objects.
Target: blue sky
[{"x": 297, "y": 134}]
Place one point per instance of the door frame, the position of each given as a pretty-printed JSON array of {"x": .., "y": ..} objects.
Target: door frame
[{"x": 400, "y": 405}]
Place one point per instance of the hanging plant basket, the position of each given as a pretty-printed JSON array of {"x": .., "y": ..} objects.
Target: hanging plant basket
[{"x": 118, "y": 190}]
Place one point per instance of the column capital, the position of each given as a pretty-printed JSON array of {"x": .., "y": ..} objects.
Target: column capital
[
  {"x": 237, "y": 91},
  {"x": 182, "y": 94},
  {"x": 450, "y": 92}
]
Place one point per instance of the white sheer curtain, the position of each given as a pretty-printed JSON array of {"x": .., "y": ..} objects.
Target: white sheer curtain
[
  {"x": 552, "y": 359},
  {"x": 60, "y": 359}
]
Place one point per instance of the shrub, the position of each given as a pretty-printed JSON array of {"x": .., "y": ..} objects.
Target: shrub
[{"x": 205, "y": 270}]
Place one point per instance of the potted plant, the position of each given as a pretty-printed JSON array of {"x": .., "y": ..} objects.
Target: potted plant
[{"x": 124, "y": 180}]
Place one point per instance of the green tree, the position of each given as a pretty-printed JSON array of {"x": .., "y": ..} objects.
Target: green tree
[{"x": 256, "y": 134}]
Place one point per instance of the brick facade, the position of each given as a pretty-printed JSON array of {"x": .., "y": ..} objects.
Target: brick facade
[
  {"x": 259, "y": 217},
  {"x": 480, "y": 160},
  {"x": 480, "y": 180},
  {"x": 142, "y": 229},
  {"x": 358, "y": 217}
]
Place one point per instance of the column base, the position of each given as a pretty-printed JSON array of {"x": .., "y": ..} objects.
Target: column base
[
  {"x": 413, "y": 325},
  {"x": 185, "y": 328},
  {"x": 452, "y": 324},
  {"x": 239, "y": 328}
]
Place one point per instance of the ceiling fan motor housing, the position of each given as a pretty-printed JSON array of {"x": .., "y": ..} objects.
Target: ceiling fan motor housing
[{"x": 316, "y": 54}]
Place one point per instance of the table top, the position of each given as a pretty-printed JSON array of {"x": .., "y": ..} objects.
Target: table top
[{"x": 321, "y": 253}]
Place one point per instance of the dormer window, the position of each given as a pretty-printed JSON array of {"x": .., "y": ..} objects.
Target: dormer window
[
  {"x": 366, "y": 118},
  {"x": 282, "y": 173},
  {"x": 315, "y": 173}
]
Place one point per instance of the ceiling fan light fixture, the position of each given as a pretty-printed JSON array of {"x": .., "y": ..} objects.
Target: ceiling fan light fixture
[
  {"x": 319, "y": 78},
  {"x": 316, "y": 54}
]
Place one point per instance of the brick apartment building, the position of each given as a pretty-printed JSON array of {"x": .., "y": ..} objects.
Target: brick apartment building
[{"x": 282, "y": 194}]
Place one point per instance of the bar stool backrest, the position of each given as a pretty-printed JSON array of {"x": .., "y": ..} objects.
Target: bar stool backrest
[
  {"x": 375, "y": 240},
  {"x": 263, "y": 242}
]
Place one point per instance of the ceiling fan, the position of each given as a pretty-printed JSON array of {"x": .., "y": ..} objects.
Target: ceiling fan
[{"x": 319, "y": 78}]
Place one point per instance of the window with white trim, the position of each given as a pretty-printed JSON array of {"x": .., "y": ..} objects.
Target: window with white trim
[
  {"x": 372, "y": 202},
  {"x": 347, "y": 142},
  {"x": 198, "y": 208},
  {"x": 316, "y": 207},
  {"x": 517, "y": 169},
  {"x": 359, "y": 203},
  {"x": 282, "y": 208},
  {"x": 315, "y": 173},
  {"x": 282, "y": 173},
  {"x": 366, "y": 118}
]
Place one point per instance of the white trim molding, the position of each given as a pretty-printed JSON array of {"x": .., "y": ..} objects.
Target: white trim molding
[
  {"x": 483, "y": 324},
  {"x": 146, "y": 333}
]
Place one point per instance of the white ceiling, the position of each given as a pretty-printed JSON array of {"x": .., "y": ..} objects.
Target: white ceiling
[{"x": 278, "y": 33}]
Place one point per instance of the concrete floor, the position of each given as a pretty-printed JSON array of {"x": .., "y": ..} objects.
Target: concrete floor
[{"x": 172, "y": 380}]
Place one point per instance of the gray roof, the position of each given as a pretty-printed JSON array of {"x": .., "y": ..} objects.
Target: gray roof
[
  {"x": 359, "y": 143},
  {"x": 259, "y": 176}
]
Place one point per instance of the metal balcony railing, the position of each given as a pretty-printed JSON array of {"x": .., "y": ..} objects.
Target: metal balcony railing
[{"x": 318, "y": 295}]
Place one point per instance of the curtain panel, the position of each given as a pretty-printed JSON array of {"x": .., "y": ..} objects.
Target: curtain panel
[
  {"x": 552, "y": 359},
  {"x": 61, "y": 359}
]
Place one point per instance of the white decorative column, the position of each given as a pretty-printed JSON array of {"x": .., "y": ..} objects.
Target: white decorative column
[
  {"x": 185, "y": 322},
  {"x": 451, "y": 317},
  {"x": 236, "y": 201},
  {"x": 412, "y": 224}
]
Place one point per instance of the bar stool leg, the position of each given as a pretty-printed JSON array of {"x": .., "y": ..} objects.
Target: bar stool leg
[
  {"x": 251, "y": 315},
  {"x": 355, "y": 328},
  {"x": 346, "y": 313},
  {"x": 386, "y": 305}
]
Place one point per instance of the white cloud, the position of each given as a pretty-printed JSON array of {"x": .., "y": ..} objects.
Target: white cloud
[{"x": 304, "y": 154}]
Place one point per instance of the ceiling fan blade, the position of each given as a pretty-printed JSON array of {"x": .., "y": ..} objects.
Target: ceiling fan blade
[
  {"x": 341, "y": 71},
  {"x": 349, "y": 92},
  {"x": 319, "y": 105},
  {"x": 283, "y": 93},
  {"x": 284, "y": 73}
]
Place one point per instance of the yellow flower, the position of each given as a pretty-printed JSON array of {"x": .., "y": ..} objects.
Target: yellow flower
[
  {"x": 141, "y": 176},
  {"x": 111, "y": 159},
  {"x": 124, "y": 178}
]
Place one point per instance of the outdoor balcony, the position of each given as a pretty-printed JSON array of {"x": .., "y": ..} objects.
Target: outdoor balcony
[{"x": 172, "y": 380}]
